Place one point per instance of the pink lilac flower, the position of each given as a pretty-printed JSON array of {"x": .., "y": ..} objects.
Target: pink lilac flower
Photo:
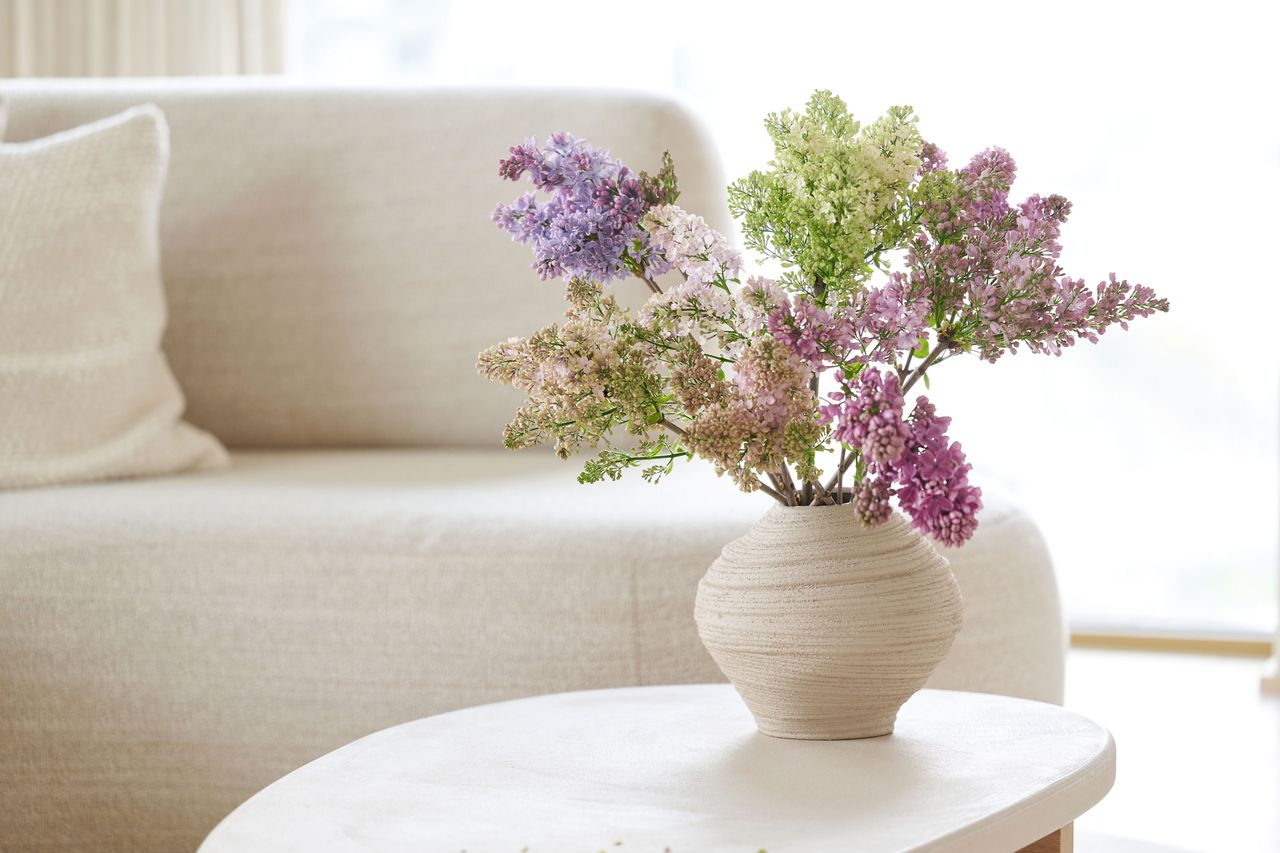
[
  {"x": 870, "y": 417},
  {"x": 810, "y": 332},
  {"x": 758, "y": 300},
  {"x": 880, "y": 323},
  {"x": 988, "y": 177},
  {"x": 993, "y": 268},
  {"x": 871, "y": 501},
  {"x": 772, "y": 383},
  {"x": 889, "y": 319},
  {"x": 590, "y": 225},
  {"x": 932, "y": 158}
]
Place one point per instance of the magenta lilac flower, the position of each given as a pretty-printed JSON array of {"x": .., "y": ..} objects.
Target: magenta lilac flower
[
  {"x": 929, "y": 470},
  {"x": 933, "y": 479},
  {"x": 871, "y": 500},
  {"x": 870, "y": 417}
]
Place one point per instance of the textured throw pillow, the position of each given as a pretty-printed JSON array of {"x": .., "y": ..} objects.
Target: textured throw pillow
[
  {"x": 4, "y": 117},
  {"x": 85, "y": 391}
]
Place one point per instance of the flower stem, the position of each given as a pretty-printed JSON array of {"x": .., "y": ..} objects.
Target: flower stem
[
  {"x": 844, "y": 454},
  {"x": 821, "y": 496},
  {"x": 780, "y": 488},
  {"x": 788, "y": 483},
  {"x": 775, "y": 494},
  {"x": 677, "y": 430},
  {"x": 820, "y": 296},
  {"x": 917, "y": 374}
]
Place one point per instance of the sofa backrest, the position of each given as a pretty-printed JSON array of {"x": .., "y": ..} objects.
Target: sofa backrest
[{"x": 329, "y": 259}]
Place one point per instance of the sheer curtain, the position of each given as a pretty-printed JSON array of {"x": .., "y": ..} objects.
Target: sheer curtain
[
  {"x": 141, "y": 38},
  {"x": 1150, "y": 461}
]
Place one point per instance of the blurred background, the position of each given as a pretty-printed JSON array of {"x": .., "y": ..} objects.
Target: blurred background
[{"x": 1150, "y": 462}]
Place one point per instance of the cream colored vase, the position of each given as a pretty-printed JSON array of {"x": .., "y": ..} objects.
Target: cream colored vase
[{"x": 826, "y": 626}]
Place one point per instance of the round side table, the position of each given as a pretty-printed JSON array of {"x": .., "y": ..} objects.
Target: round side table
[{"x": 684, "y": 770}]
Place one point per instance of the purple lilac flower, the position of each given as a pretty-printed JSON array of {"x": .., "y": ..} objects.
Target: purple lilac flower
[{"x": 590, "y": 225}]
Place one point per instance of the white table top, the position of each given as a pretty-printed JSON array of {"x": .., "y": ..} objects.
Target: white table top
[{"x": 684, "y": 769}]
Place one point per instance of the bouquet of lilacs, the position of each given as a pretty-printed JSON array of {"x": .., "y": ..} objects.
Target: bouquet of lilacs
[{"x": 893, "y": 264}]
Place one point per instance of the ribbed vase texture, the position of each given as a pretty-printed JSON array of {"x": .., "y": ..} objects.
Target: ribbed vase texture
[{"x": 826, "y": 626}]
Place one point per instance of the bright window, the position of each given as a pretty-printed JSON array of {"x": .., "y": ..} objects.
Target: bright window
[{"x": 1150, "y": 461}]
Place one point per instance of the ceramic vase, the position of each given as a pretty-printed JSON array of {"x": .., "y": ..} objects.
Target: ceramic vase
[{"x": 826, "y": 626}]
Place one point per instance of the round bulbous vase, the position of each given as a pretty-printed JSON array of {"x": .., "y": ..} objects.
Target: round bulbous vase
[{"x": 826, "y": 626}]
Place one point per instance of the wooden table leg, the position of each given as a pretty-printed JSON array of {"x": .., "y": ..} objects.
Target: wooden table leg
[{"x": 1062, "y": 841}]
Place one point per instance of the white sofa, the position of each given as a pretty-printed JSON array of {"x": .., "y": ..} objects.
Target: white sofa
[{"x": 372, "y": 555}]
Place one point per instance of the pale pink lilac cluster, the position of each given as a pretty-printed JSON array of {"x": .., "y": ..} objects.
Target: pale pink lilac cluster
[
  {"x": 760, "y": 297},
  {"x": 761, "y": 423},
  {"x": 692, "y": 307},
  {"x": 772, "y": 383},
  {"x": 708, "y": 299},
  {"x": 699, "y": 252}
]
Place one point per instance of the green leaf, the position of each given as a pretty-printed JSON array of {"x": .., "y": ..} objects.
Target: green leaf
[{"x": 922, "y": 351}]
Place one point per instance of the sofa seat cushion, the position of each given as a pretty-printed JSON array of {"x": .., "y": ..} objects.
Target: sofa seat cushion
[{"x": 169, "y": 646}]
